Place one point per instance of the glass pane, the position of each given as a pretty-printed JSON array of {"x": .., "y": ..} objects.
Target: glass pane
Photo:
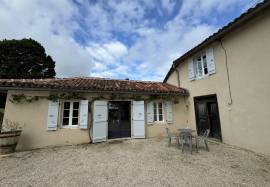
[
  {"x": 205, "y": 69},
  {"x": 160, "y": 117},
  {"x": 160, "y": 111},
  {"x": 155, "y": 105},
  {"x": 200, "y": 70},
  {"x": 75, "y": 113},
  {"x": 155, "y": 117},
  {"x": 74, "y": 121},
  {"x": 66, "y": 113},
  {"x": 155, "y": 113},
  {"x": 65, "y": 121},
  {"x": 160, "y": 105},
  {"x": 66, "y": 105},
  {"x": 76, "y": 105},
  {"x": 195, "y": 67}
]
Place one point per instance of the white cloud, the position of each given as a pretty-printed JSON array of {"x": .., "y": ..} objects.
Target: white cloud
[
  {"x": 116, "y": 49},
  {"x": 107, "y": 53},
  {"x": 48, "y": 22},
  {"x": 148, "y": 46}
]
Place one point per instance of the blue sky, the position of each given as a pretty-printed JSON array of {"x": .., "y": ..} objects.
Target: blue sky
[{"x": 120, "y": 39}]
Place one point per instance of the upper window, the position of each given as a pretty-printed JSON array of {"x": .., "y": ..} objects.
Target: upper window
[
  {"x": 158, "y": 111},
  {"x": 200, "y": 65},
  {"x": 70, "y": 114}
]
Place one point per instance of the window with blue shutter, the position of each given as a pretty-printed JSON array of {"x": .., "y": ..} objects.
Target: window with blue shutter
[{"x": 203, "y": 64}]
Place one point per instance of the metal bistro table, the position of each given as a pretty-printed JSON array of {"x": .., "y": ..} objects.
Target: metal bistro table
[{"x": 186, "y": 135}]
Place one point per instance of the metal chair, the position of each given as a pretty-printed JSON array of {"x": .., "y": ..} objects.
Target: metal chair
[
  {"x": 186, "y": 139},
  {"x": 203, "y": 139},
  {"x": 171, "y": 136}
]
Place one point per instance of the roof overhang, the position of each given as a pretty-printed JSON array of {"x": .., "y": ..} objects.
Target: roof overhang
[{"x": 92, "y": 91}]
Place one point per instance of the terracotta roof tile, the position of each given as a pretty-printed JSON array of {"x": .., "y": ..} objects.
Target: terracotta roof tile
[{"x": 93, "y": 84}]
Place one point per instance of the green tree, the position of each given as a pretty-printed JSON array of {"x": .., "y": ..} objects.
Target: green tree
[{"x": 25, "y": 58}]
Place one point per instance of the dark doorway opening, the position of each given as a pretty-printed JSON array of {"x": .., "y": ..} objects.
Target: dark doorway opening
[
  {"x": 3, "y": 98},
  {"x": 119, "y": 119},
  {"x": 207, "y": 115}
]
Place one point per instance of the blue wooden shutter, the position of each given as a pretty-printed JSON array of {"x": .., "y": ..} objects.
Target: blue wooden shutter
[
  {"x": 83, "y": 114},
  {"x": 191, "y": 73},
  {"x": 210, "y": 61},
  {"x": 100, "y": 121},
  {"x": 52, "y": 115},
  {"x": 150, "y": 113},
  {"x": 169, "y": 112},
  {"x": 138, "y": 119}
]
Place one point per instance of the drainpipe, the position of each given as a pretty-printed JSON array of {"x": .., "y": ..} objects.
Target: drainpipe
[
  {"x": 227, "y": 70},
  {"x": 178, "y": 75}
]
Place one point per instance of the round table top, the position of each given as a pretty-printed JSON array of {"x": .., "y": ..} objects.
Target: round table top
[{"x": 185, "y": 129}]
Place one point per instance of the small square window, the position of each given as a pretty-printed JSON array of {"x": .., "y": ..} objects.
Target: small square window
[
  {"x": 70, "y": 114},
  {"x": 158, "y": 111}
]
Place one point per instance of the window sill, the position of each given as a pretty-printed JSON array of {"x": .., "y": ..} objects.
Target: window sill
[
  {"x": 199, "y": 78},
  {"x": 159, "y": 123},
  {"x": 70, "y": 127}
]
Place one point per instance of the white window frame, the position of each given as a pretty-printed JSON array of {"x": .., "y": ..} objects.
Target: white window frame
[
  {"x": 196, "y": 65},
  {"x": 157, "y": 111},
  {"x": 70, "y": 114}
]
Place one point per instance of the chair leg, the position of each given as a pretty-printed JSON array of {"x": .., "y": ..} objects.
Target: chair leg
[
  {"x": 190, "y": 145},
  {"x": 177, "y": 142},
  {"x": 196, "y": 144},
  {"x": 182, "y": 146},
  {"x": 206, "y": 145},
  {"x": 169, "y": 141}
]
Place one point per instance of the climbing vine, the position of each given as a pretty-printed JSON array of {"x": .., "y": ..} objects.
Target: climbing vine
[{"x": 21, "y": 98}]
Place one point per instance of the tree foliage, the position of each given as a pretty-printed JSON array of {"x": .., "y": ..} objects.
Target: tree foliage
[{"x": 25, "y": 58}]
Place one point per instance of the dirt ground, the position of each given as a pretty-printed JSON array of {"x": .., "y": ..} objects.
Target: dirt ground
[{"x": 135, "y": 163}]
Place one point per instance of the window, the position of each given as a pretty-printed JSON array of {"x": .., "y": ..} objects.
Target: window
[
  {"x": 200, "y": 65},
  {"x": 70, "y": 114},
  {"x": 158, "y": 111}
]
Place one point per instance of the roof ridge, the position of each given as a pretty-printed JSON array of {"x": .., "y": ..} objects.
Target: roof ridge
[{"x": 106, "y": 78}]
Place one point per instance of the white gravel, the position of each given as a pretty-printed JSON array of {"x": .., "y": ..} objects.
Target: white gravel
[{"x": 135, "y": 163}]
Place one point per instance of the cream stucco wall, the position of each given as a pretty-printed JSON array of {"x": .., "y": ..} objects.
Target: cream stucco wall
[
  {"x": 33, "y": 117},
  {"x": 246, "y": 121}
]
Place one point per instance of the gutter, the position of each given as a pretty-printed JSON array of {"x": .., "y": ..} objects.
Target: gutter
[{"x": 227, "y": 71}]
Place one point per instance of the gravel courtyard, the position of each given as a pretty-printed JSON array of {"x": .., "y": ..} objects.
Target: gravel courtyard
[{"x": 134, "y": 163}]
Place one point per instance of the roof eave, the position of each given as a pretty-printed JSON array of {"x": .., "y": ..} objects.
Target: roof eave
[{"x": 97, "y": 91}]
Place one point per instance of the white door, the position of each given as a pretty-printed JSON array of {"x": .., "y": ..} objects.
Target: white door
[
  {"x": 100, "y": 121},
  {"x": 138, "y": 127}
]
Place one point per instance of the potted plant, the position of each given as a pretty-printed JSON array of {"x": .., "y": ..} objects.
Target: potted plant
[{"x": 9, "y": 136}]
